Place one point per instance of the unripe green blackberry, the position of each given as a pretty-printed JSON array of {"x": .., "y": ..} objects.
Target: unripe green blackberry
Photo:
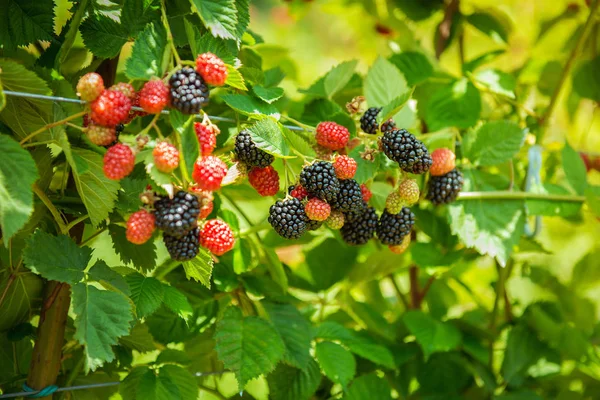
[
  {"x": 444, "y": 189},
  {"x": 394, "y": 203},
  {"x": 409, "y": 192},
  {"x": 319, "y": 180},
  {"x": 336, "y": 220},
  {"x": 392, "y": 228},
  {"x": 409, "y": 152},
  {"x": 359, "y": 226},
  {"x": 288, "y": 218}
]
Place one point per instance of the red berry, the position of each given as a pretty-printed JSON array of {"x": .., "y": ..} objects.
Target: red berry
[
  {"x": 90, "y": 86},
  {"x": 101, "y": 135},
  {"x": 443, "y": 162},
  {"x": 118, "y": 161},
  {"x": 336, "y": 220},
  {"x": 217, "y": 237},
  {"x": 317, "y": 210},
  {"x": 366, "y": 193},
  {"x": 140, "y": 227},
  {"x": 264, "y": 180},
  {"x": 110, "y": 108},
  {"x": 345, "y": 167},
  {"x": 154, "y": 96},
  {"x": 207, "y": 139},
  {"x": 126, "y": 88},
  {"x": 212, "y": 69},
  {"x": 299, "y": 192},
  {"x": 332, "y": 135},
  {"x": 166, "y": 157},
  {"x": 209, "y": 172}
]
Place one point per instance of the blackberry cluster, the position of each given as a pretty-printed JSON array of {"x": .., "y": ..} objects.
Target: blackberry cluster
[
  {"x": 359, "y": 226},
  {"x": 177, "y": 216},
  {"x": 184, "y": 248},
  {"x": 248, "y": 153},
  {"x": 368, "y": 122},
  {"x": 392, "y": 228},
  {"x": 188, "y": 91},
  {"x": 288, "y": 218},
  {"x": 409, "y": 152},
  {"x": 319, "y": 180},
  {"x": 349, "y": 197},
  {"x": 444, "y": 189}
]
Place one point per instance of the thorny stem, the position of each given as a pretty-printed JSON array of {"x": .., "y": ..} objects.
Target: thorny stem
[
  {"x": 55, "y": 214},
  {"x": 169, "y": 34},
  {"x": 589, "y": 23},
  {"x": 50, "y": 126}
]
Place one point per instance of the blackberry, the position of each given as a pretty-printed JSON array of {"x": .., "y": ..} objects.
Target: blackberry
[
  {"x": 349, "y": 197},
  {"x": 368, "y": 122},
  {"x": 184, "y": 248},
  {"x": 359, "y": 226},
  {"x": 248, "y": 153},
  {"x": 188, "y": 91},
  {"x": 409, "y": 152},
  {"x": 177, "y": 216},
  {"x": 319, "y": 180},
  {"x": 388, "y": 125},
  {"x": 444, "y": 189},
  {"x": 288, "y": 218},
  {"x": 392, "y": 228},
  {"x": 313, "y": 225}
]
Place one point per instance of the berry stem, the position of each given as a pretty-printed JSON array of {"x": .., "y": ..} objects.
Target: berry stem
[
  {"x": 34, "y": 144},
  {"x": 76, "y": 221},
  {"x": 55, "y": 214},
  {"x": 169, "y": 34},
  {"x": 298, "y": 123},
  {"x": 50, "y": 126},
  {"x": 507, "y": 195}
]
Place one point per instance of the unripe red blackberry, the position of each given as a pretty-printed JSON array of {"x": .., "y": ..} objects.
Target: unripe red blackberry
[
  {"x": 298, "y": 191},
  {"x": 166, "y": 157},
  {"x": 90, "y": 86},
  {"x": 101, "y": 135},
  {"x": 154, "y": 96},
  {"x": 140, "y": 227},
  {"x": 207, "y": 139},
  {"x": 332, "y": 135},
  {"x": 317, "y": 209},
  {"x": 209, "y": 172},
  {"x": 119, "y": 162},
  {"x": 126, "y": 88},
  {"x": 212, "y": 69},
  {"x": 345, "y": 167},
  {"x": 110, "y": 108},
  {"x": 264, "y": 180},
  {"x": 217, "y": 237},
  {"x": 444, "y": 161}
]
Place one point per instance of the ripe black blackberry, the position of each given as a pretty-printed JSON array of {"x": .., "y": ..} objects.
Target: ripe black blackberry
[
  {"x": 409, "y": 152},
  {"x": 349, "y": 197},
  {"x": 188, "y": 91},
  {"x": 248, "y": 153},
  {"x": 392, "y": 228},
  {"x": 288, "y": 218},
  {"x": 177, "y": 216},
  {"x": 388, "y": 125},
  {"x": 444, "y": 189},
  {"x": 184, "y": 248},
  {"x": 313, "y": 225},
  {"x": 319, "y": 180},
  {"x": 368, "y": 121},
  {"x": 359, "y": 226}
]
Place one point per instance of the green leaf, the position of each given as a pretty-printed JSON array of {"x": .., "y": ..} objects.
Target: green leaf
[
  {"x": 146, "y": 293},
  {"x": 498, "y": 81},
  {"x": 383, "y": 83},
  {"x": 523, "y": 349},
  {"x": 574, "y": 169},
  {"x": 243, "y": 16},
  {"x": 295, "y": 331},
  {"x": 393, "y": 107},
  {"x": 433, "y": 336},
  {"x": 276, "y": 269},
  {"x": 235, "y": 78},
  {"x": 173, "y": 356},
  {"x": 491, "y": 25},
  {"x": 177, "y": 302},
  {"x": 185, "y": 382},
  {"x": 551, "y": 208},
  {"x": 415, "y": 66},
  {"x": 478, "y": 61},
  {"x": 324, "y": 278},
  {"x": 25, "y": 22},
  {"x": 17, "y": 175},
  {"x": 200, "y": 268},
  {"x": 267, "y": 136},
  {"x": 337, "y": 363},
  {"x": 445, "y": 374},
  {"x": 249, "y": 105},
  {"x": 302, "y": 141},
  {"x": 360, "y": 345},
  {"x": 97, "y": 192},
  {"x": 367, "y": 387},
  {"x": 592, "y": 196},
  {"x": 22, "y": 295},
  {"x": 338, "y": 77},
  {"x": 146, "y": 60},
  {"x": 141, "y": 256},
  {"x": 108, "y": 278},
  {"x": 494, "y": 142},
  {"x": 56, "y": 257},
  {"x": 15, "y": 357},
  {"x": 137, "y": 13},
  {"x": 101, "y": 317},
  {"x": 248, "y": 346},
  {"x": 458, "y": 105},
  {"x": 219, "y": 16},
  {"x": 189, "y": 147},
  {"x": 103, "y": 35},
  {"x": 129, "y": 196},
  {"x": 139, "y": 339},
  {"x": 268, "y": 95},
  {"x": 2, "y": 97},
  {"x": 170, "y": 382},
  {"x": 586, "y": 81},
  {"x": 289, "y": 383}
]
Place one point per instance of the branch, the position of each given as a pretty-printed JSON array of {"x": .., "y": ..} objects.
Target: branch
[
  {"x": 445, "y": 28},
  {"x": 415, "y": 292}
]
